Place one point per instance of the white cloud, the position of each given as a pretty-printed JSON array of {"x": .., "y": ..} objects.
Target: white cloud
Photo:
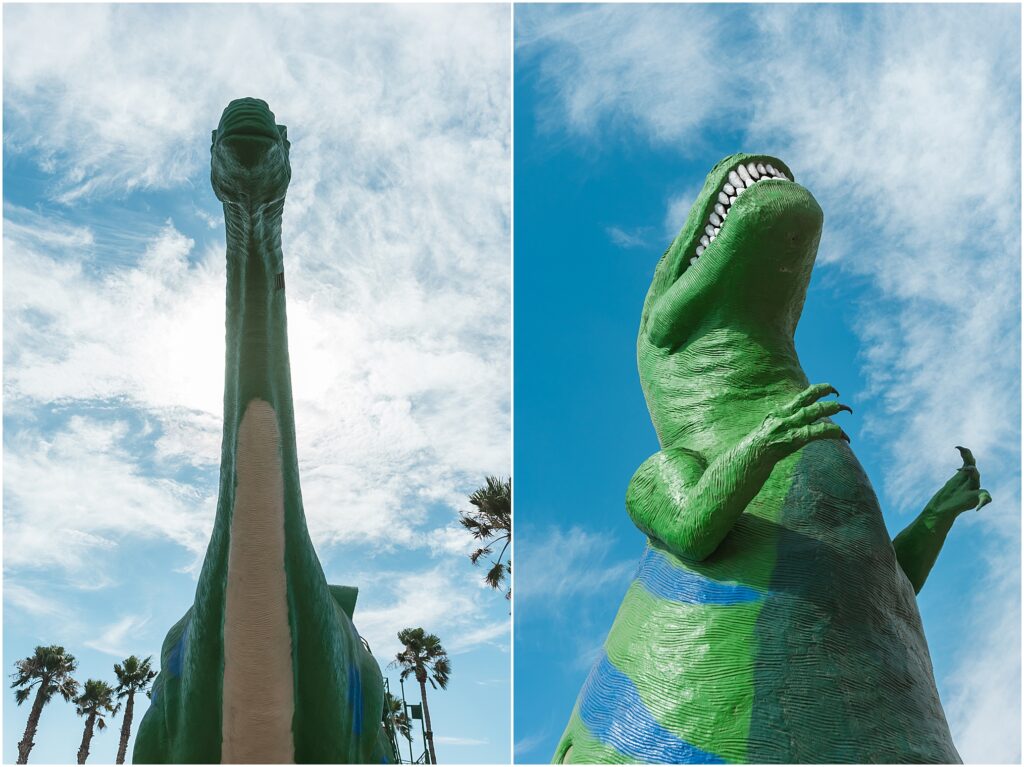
[
  {"x": 72, "y": 496},
  {"x": 445, "y": 600},
  {"x": 601, "y": 67},
  {"x": 395, "y": 235},
  {"x": 116, "y": 639},
  {"x": 32, "y": 601},
  {"x": 455, "y": 740},
  {"x": 624, "y": 239},
  {"x": 554, "y": 565}
]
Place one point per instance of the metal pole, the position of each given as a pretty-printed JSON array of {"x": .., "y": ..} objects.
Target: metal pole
[{"x": 423, "y": 734}]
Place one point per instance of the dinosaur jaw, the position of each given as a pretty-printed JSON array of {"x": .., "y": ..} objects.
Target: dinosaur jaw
[
  {"x": 746, "y": 253},
  {"x": 739, "y": 178}
]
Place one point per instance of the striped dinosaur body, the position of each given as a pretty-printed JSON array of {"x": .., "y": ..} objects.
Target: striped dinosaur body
[
  {"x": 266, "y": 666},
  {"x": 771, "y": 619}
]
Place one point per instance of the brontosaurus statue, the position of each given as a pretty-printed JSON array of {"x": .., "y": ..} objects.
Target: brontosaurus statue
[
  {"x": 771, "y": 618},
  {"x": 266, "y": 666}
]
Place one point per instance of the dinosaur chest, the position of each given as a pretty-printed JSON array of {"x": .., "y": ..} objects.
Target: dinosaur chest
[{"x": 258, "y": 691}]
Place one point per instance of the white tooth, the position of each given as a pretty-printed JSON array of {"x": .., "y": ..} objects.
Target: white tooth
[
  {"x": 717, "y": 230},
  {"x": 752, "y": 170},
  {"x": 745, "y": 175},
  {"x": 709, "y": 230},
  {"x": 715, "y": 219},
  {"x": 729, "y": 189},
  {"x": 723, "y": 198},
  {"x": 772, "y": 170},
  {"x": 732, "y": 200},
  {"x": 735, "y": 180},
  {"x": 761, "y": 169},
  {"x": 704, "y": 240},
  {"x": 720, "y": 209},
  {"x": 701, "y": 249},
  {"x": 740, "y": 190},
  {"x": 693, "y": 260}
]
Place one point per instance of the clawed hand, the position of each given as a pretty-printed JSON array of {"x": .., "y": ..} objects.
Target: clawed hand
[
  {"x": 963, "y": 491},
  {"x": 797, "y": 423}
]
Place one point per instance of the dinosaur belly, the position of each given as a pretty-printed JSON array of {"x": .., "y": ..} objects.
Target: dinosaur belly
[
  {"x": 799, "y": 640},
  {"x": 258, "y": 692}
]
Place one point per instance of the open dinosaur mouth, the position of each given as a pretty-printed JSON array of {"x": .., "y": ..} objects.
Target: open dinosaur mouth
[{"x": 741, "y": 178}]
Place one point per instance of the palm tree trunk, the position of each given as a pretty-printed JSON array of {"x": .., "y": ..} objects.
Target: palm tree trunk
[
  {"x": 83, "y": 750},
  {"x": 126, "y": 727},
  {"x": 426, "y": 720},
  {"x": 33, "y": 722}
]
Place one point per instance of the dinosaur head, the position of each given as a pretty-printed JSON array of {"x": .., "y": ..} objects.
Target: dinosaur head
[
  {"x": 743, "y": 259},
  {"x": 249, "y": 155}
]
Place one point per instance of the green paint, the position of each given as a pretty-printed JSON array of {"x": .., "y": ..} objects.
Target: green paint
[
  {"x": 338, "y": 688},
  {"x": 786, "y": 628},
  {"x": 718, "y": 641}
]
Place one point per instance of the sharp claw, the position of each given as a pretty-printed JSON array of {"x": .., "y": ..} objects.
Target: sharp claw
[
  {"x": 832, "y": 390},
  {"x": 966, "y": 455},
  {"x": 983, "y": 499},
  {"x": 844, "y": 435},
  {"x": 847, "y": 408}
]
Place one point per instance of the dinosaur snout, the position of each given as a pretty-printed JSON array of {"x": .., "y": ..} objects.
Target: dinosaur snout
[{"x": 249, "y": 162}]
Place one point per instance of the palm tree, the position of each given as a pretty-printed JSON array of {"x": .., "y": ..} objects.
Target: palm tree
[
  {"x": 96, "y": 700},
  {"x": 491, "y": 522},
  {"x": 51, "y": 668},
  {"x": 425, "y": 658},
  {"x": 394, "y": 712},
  {"x": 133, "y": 676}
]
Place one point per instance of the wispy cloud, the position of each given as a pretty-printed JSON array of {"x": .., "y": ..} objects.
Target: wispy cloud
[
  {"x": 446, "y": 600},
  {"x": 118, "y": 638},
  {"x": 455, "y": 740},
  {"x": 624, "y": 239},
  {"x": 555, "y": 564},
  {"x": 399, "y": 203}
]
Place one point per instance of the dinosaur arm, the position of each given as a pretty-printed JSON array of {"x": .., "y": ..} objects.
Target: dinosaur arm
[
  {"x": 690, "y": 508},
  {"x": 690, "y": 505},
  {"x": 918, "y": 546}
]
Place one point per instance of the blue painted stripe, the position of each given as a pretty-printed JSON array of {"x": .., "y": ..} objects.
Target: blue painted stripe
[
  {"x": 176, "y": 657},
  {"x": 679, "y": 584},
  {"x": 611, "y": 708},
  {"x": 355, "y": 698}
]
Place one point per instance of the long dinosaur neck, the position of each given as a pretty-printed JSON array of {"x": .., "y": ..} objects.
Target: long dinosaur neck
[
  {"x": 265, "y": 520},
  {"x": 729, "y": 377},
  {"x": 257, "y": 341}
]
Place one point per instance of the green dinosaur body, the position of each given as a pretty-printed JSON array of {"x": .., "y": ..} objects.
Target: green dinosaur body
[
  {"x": 771, "y": 618},
  {"x": 266, "y": 666}
]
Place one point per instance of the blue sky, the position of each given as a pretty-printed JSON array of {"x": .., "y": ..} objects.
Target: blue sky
[
  {"x": 904, "y": 121},
  {"x": 396, "y": 239}
]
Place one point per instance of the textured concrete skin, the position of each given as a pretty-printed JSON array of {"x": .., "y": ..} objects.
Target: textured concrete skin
[
  {"x": 337, "y": 688},
  {"x": 771, "y": 619}
]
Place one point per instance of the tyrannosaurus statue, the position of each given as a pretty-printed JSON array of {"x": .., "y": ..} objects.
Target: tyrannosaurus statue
[
  {"x": 771, "y": 618},
  {"x": 266, "y": 666}
]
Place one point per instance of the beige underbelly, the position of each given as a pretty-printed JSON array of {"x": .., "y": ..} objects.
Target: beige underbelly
[{"x": 258, "y": 680}]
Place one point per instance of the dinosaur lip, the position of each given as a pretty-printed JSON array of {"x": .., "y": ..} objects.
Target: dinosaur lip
[
  {"x": 248, "y": 118},
  {"x": 741, "y": 177},
  {"x": 248, "y": 127}
]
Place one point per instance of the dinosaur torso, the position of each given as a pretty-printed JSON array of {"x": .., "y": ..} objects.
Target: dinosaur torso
[
  {"x": 797, "y": 638},
  {"x": 803, "y": 603},
  {"x": 266, "y": 666}
]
